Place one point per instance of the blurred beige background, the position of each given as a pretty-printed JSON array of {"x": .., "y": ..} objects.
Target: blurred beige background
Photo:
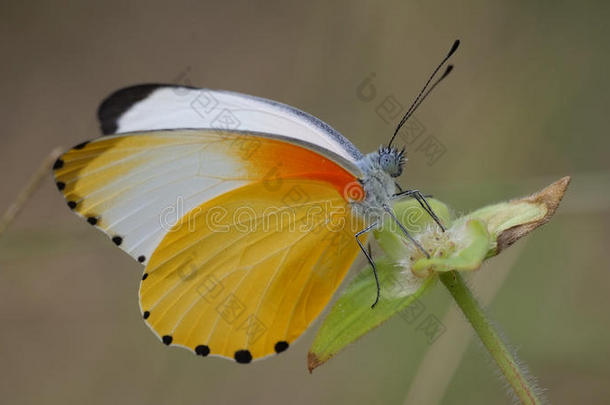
[{"x": 526, "y": 105}]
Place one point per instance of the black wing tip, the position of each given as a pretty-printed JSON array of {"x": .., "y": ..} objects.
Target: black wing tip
[{"x": 118, "y": 102}]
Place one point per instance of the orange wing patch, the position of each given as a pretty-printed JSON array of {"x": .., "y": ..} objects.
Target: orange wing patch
[{"x": 275, "y": 160}]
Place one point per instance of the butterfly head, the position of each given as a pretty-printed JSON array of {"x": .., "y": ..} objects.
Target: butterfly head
[{"x": 391, "y": 160}]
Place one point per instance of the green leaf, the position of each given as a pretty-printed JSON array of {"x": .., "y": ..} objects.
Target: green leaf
[{"x": 352, "y": 315}]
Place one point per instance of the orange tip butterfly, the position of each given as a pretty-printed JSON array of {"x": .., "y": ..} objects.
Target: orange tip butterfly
[{"x": 245, "y": 213}]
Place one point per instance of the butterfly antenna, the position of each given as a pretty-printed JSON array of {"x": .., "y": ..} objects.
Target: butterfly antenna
[
  {"x": 422, "y": 94},
  {"x": 421, "y": 100}
]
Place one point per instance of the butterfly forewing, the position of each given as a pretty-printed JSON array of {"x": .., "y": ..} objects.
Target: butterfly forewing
[{"x": 155, "y": 107}]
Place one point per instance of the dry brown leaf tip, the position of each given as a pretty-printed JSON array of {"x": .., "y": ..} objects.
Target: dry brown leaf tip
[
  {"x": 312, "y": 361},
  {"x": 550, "y": 197}
]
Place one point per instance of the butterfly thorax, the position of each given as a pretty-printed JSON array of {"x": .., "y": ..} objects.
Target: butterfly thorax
[{"x": 378, "y": 184}]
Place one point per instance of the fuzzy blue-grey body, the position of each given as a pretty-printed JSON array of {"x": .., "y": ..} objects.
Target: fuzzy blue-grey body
[{"x": 379, "y": 169}]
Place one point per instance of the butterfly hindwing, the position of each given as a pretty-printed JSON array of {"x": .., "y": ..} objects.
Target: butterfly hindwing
[{"x": 243, "y": 275}]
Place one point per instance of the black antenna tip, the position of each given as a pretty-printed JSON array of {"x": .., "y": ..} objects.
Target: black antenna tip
[
  {"x": 454, "y": 48},
  {"x": 447, "y": 71}
]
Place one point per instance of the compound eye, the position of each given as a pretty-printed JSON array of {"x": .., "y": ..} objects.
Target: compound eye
[
  {"x": 387, "y": 162},
  {"x": 390, "y": 163}
]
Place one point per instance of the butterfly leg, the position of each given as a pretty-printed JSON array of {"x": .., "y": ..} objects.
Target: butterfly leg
[
  {"x": 369, "y": 257},
  {"x": 421, "y": 199},
  {"x": 404, "y": 230}
]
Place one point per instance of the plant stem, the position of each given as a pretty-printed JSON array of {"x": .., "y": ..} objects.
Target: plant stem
[
  {"x": 32, "y": 185},
  {"x": 522, "y": 386}
]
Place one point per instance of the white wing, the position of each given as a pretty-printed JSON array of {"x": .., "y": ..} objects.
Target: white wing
[{"x": 154, "y": 107}]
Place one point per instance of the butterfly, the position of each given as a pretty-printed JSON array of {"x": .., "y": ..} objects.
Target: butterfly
[{"x": 246, "y": 213}]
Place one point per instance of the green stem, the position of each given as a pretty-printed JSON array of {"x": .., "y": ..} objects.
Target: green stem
[{"x": 506, "y": 361}]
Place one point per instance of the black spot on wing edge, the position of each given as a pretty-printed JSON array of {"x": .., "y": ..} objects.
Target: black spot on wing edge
[
  {"x": 281, "y": 346},
  {"x": 243, "y": 356},
  {"x": 202, "y": 350}
]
